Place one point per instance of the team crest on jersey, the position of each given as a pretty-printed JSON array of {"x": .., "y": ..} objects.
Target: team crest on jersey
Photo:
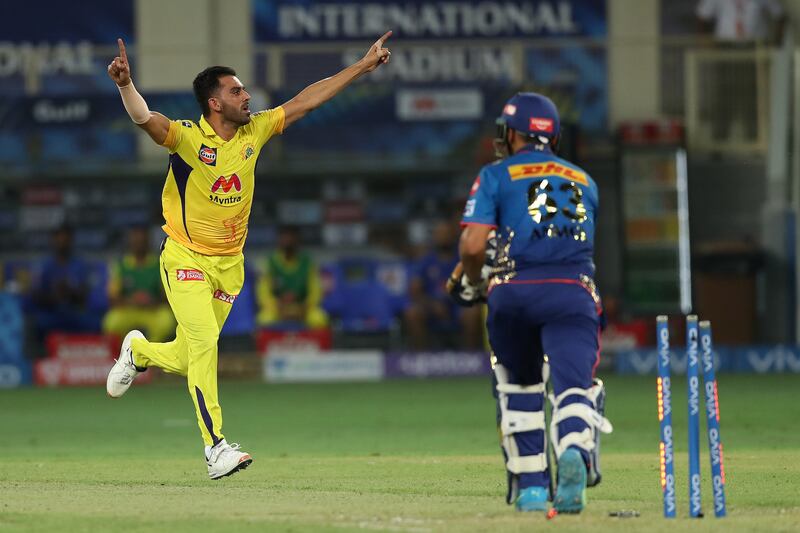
[
  {"x": 186, "y": 123},
  {"x": 189, "y": 274},
  {"x": 208, "y": 155},
  {"x": 247, "y": 151}
]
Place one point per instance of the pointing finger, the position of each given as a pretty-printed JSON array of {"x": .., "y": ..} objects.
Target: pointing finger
[
  {"x": 383, "y": 38},
  {"x": 122, "y": 53}
]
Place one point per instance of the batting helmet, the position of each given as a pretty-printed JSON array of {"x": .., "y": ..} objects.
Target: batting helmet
[{"x": 532, "y": 115}]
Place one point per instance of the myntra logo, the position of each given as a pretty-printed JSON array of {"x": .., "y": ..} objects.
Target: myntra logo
[{"x": 227, "y": 184}]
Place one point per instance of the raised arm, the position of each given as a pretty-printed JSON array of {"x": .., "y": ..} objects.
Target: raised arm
[
  {"x": 320, "y": 92},
  {"x": 155, "y": 124}
]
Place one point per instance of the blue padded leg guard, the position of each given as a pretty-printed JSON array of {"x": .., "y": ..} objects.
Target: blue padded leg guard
[{"x": 522, "y": 431}]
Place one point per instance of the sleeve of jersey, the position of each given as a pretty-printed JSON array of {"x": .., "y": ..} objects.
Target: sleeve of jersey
[
  {"x": 481, "y": 206},
  {"x": 174, "y": 136},
  {"x": 595, "y": 198},
  {"x": 267, "y": 123}
]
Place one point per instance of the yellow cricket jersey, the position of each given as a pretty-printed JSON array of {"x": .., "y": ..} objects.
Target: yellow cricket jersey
[{"x": 209, "y": 189}]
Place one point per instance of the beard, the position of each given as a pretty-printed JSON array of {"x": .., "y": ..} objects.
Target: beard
[{"x": 237, "y": 116}]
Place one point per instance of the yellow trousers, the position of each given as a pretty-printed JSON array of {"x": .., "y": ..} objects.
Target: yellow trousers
[
  {"x": 200, "y": 290},
  {"x": 157, "y": 322}
]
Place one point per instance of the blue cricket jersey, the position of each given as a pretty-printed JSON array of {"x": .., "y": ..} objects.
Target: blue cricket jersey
[{"x": 543, "y": 208}]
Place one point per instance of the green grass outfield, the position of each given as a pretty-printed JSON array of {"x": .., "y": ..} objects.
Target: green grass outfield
[{"x": 396, "y": 456}]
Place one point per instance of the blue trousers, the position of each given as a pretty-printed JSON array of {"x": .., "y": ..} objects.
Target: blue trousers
[{"x": 530, "y": 317}]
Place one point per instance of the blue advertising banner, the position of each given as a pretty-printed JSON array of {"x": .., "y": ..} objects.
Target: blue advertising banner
[
  {"x": 332, "y": 20},
  {"x": 56, "y": 21},
  {"x": 740, "y": 359},
  {"x": 53, "y": 43},
  {"x": 576, "y": 78},
  {"x": 79, "y": 129},
  {"x": 418, "y": 123},
  {"x": 15, "y": 374}
]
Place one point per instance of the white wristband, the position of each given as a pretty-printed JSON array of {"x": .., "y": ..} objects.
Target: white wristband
[{"x": 134, "y": 104}]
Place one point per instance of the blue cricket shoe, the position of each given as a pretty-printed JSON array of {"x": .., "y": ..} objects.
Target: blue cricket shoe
[
  {"x": 571, "y": 491},
  {"x": 532, "y": 499}
]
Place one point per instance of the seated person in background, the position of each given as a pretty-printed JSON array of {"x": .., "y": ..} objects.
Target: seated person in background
[
  {"x": 60, "y": 291},
  {"x": 290, "y": 289},
  {"x": 135, "y": 292},
  {"x": 431, "y": 309}
]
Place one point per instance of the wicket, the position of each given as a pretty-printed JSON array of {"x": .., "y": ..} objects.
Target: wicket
[{"x": 698, "y": 347}]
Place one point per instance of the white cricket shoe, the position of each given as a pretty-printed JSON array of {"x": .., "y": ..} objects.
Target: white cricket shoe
[
  {"x": 225, "y": 459},
  {"x": 124, "y": 371}
]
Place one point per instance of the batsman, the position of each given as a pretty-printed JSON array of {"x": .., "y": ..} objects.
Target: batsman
[{"x": 526, "y": 248}]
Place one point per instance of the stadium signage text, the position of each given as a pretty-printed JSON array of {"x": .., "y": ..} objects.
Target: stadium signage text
[
  {"x": 328, "y": 20},
  {"x": 48, "y": 111},
  {"x": 26, "y": 58},
  {"x": 443, "y": 63},
  {"x": 10, "y": 376}
]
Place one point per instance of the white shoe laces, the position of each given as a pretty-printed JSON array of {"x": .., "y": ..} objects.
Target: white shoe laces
[{"x": 221, "y": 448}]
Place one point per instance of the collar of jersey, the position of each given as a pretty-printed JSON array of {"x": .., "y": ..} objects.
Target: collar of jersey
[
  {"x": 208, "y": 130},
  {"x": 531, "y": 148}
]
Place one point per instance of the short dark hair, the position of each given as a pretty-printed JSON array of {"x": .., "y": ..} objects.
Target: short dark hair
[{"x": 206, "y": 84}]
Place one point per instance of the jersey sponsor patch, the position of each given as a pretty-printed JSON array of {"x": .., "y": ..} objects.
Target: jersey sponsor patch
[
  {"x": 208, "y": 155},
  {"x": 190, "y": 274},
  {"x": 539, "y": 170},
  {"x": 469, "y": 209},
  {"x": 224, "y": 185},
  {"x": 186, "y": 123},
  {"x": 224, "y": 296},
  {"x": 223, "y": 191},
  {"x": 541, "y": 124}
]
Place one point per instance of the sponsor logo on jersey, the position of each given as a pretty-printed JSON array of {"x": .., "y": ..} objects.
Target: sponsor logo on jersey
[
  {"x": 469, "y": 208},
  {"x": 227, "y": 184},
  {"x": 475, "y": 186},
  {"x": 224, "y": 296},
  {"x": 190, "y": 274},
  {"x": 551, "y": 169},
  {"x": 541, "y": 124},
  {"x": 186, "y": 123},
  {"x": 208, "y": 155},
  {"x": 223, "y": 191},
  {"x": 247, "y": 151},
  {"x": 510, "y": 109}
]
